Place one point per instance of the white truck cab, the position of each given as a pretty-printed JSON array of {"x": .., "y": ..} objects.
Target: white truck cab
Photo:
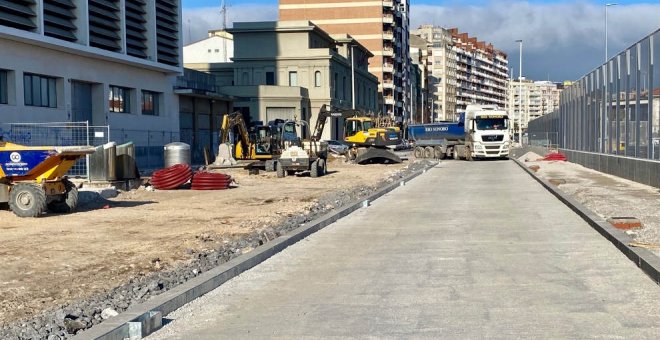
[{"x": 486, "y": 132}]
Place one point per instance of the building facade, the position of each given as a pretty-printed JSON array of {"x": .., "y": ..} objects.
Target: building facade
[
  {"x": 381, "y": 26},
  {"x": 290, "y": 69},
  {"x": 420, "y": 50},
  {"x": 443, "y": 70},
  {"x": 218, "y": 47},
  {"x": 528, "y": 100},
  {"x": 482, "y": 72},
  {"x": 104, "y": 62}
]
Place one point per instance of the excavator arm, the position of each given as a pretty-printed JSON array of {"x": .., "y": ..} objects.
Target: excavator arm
[
  {"x": 325, "y": 113},
  {"x": 229, "y": 121}
]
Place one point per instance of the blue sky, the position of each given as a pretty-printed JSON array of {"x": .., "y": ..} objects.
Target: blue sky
[{"x": 563, "y": 40}]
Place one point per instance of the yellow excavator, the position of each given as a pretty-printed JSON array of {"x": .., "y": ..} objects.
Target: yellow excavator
[
  {"x": 260, "y": 143},
  {"x": 367, "y": 137}
]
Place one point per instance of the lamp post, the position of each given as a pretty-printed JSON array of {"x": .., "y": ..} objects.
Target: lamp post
[
  {"x": 520, "y": 43},
  {"x": 606, "y": 6},
  {"x": 352, "y": 77}
]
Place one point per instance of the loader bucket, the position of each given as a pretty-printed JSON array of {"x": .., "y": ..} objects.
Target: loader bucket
[{"x": 377, "y": 155}]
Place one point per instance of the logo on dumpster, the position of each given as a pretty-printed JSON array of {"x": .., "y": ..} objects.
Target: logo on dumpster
[{"x": 15, "y": 157}]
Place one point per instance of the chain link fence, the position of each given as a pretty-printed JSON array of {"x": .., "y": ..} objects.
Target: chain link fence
[
  {"x": 58, "y": 134},
  {"x": 149, "y": 144}
]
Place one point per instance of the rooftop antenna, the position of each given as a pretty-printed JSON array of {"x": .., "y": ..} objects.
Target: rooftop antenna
[{"x": 223, "y": 12}]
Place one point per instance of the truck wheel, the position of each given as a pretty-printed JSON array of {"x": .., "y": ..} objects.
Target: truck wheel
[
  {"x": 68, "y": 203},
  {"x": 314, "y": 169},
  {"x": 419, "y": 152},
  {"x": 280, "y": 170},
  {"x": 454, "y": 153},
  {"x": 27, "y": 200},
  {"x": 438, "y": 153},
  {"x": 428, "y": 152}
]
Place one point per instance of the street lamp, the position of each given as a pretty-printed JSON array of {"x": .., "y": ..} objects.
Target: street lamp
[
  {"x": 606, "y": 6},
  {"x": 520, "y": 43}
]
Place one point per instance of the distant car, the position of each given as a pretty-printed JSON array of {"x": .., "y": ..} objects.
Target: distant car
[{"x": 337, "y": 147}]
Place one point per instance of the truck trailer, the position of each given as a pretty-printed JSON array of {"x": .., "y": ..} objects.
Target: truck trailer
[{"x": 482, "y": 131}]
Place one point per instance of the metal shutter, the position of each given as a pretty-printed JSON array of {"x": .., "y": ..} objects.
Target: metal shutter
[
  {"x": 104, "y": 24},
  {"x": 285, "y": 113},
  {"x": 18, "y": 14},
  {"x": 167, "y": 31},
  {"x": 135, "y": 28},
  {"x": 58, "y": 19}
]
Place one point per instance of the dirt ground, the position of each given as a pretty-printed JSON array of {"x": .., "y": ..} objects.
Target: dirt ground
[
  {"x": 58, "y": 259},
  {"x": 606, "y": 195}
]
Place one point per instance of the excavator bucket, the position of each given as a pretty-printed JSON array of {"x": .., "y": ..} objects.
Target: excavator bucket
[{"x": 376, "y": 155}]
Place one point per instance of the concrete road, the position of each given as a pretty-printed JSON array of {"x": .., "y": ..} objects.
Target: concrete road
[{"x": 466, "y": 251}]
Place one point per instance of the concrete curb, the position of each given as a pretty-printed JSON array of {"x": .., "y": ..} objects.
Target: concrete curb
[
  {"x": 643, "y": 258},
  {"x": 142, "y": 319}
]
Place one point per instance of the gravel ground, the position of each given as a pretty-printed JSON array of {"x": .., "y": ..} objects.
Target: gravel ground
[
  {"x": 606, "y": 195},
  {"x": 64, "y": 322}
]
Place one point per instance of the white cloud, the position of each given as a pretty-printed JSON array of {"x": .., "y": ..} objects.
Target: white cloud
[
  {"x": 198, "y": 21},
  {"x": 565, "y": 40}
]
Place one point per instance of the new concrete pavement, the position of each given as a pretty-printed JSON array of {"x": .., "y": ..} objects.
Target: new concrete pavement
[{"x": 469, "y": 250}]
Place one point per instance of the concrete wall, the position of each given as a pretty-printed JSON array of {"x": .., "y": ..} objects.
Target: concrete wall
[
  {"x": 209, "y": 50},
  {"x": 634, "y": 169},
  {"x": 21, "y": 58}
]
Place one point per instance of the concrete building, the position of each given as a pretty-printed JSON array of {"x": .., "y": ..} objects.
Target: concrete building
[
  {"x": 290, "y": 69},
  {"x": 381, "y": 26},
  {"x": 482, "y": 72},
  {"x": 420, "y": 50},
  {"x": 217, "y": 48},
  {"x": 528, "y": 100},
  {"x": 442, "y": 70},
  {"x": 105, "y": 62}
]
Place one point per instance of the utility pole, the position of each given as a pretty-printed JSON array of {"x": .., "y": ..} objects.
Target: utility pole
[
  {"x": 223, "y": 12},
  {"x": 606, "y": 6},
  {"x": 520, "y": 42},
  {"x": 352, "y": 76}
]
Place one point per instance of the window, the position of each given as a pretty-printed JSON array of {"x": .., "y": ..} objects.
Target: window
[
  {"x": 270, "y": 78},
  {"x": 150, "y": 103},
  {"x": 3, "y": 87},
  {"x": 336, "y": 83},
  {"x": 344, "y": 88},
  {"x": 246, "y": 78},
  {"x": 293, "y": 78},
  {"x": 39, "y": 90},
  {"x": 119, "y": 99},
  {"x": 217, "y": 50},
  {"x": 317, "y": 79}
]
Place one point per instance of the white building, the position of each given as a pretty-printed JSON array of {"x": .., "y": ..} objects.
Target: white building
[
  {"x": 111, "y": 62},
  {"x": 530, "y": 99},
  {"x": 217, "y": 48}
]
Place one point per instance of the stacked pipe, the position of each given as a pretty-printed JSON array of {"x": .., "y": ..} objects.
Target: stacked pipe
[
  {"x": 203, "y": 180},
  {"x": 172, "y": 177}
]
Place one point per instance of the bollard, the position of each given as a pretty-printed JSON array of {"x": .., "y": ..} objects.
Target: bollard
[{"x": 365, "y": 203}]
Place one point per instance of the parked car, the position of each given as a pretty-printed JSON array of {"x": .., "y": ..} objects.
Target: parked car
[{"x": 337, "y": 147}]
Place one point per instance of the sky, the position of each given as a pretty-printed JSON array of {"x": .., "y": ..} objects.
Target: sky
[{"x": 562, "y": 40}]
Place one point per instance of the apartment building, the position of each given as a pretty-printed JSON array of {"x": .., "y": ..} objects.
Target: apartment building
[
  {"x": 108, "y": 62},
  {"x": 442, "y": 70},
  {"x": 420, "y": 53},
  {"x": 482, "y": 72},
  {"x": 381, "y": 26},
  {"x": 289, "y": 69},
  {"x": 528, "y": 99}
]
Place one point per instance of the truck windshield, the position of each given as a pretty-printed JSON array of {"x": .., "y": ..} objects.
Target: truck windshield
[
  {"x": 491, "y": 124},
  {"x": 366, "y": 125}
]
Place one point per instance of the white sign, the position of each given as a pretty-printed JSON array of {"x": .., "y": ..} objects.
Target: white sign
[{"x": 99, "y": 134}]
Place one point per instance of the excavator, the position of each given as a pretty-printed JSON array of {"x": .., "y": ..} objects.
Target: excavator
[
  {"x": 260, "y": 143},
  {"x": 367, "y": 137}
]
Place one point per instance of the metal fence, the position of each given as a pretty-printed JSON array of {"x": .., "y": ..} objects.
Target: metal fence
[
  {"x": 58, "y": 134},
  {"x": 149, "y": 144}
]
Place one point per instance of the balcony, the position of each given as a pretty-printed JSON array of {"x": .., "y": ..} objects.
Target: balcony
[
  {"x": 389, "y": 100},
  {"x": 388, "y": 3},
  {"x": 388, "y": 52},
  {"x": 388, "y": 84},
  {"x": 389, "y": 68},
  {"x": 388, "y": 18},
  {"x": 388, "y": 35}
]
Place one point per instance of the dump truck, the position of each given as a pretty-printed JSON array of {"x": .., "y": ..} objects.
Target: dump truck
[
  {"x": 33, "y": 179},
  {"x": 482, "y": 131}
]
